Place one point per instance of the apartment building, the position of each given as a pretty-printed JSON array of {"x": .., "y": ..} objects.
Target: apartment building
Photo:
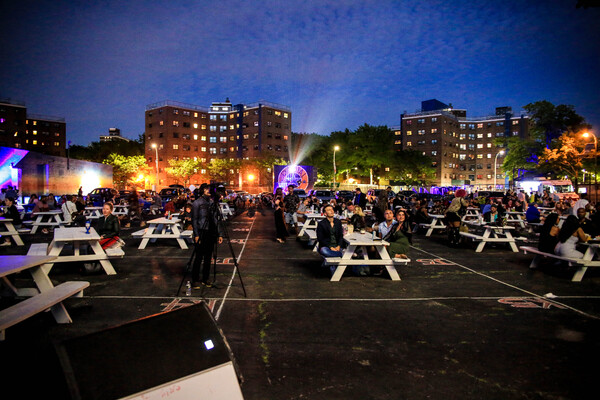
[
  {"x": 177, "y": 130},
  {"x": 22, "y": 130},
  {"x": 463, "y": 149}
]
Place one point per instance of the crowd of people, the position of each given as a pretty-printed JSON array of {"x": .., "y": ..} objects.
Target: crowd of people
[{"x": 396, "y": 217}]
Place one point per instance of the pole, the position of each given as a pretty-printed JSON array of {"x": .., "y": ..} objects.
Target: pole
[
  {"x": 334, "y": 168},
  {"x": 156, "y": 161},
  {"x": 595, "y": 172}
]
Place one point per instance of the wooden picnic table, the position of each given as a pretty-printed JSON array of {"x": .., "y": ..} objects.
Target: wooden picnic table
[
  {"x": 77, "y": 237},
  {"x": 491, "y": 234},
  {"x": 50, "y": 218},
  {"x": 473, "y": 213},
  {"x": 10, "y": 230},
  {"x": 46, "y": 296},
  {"x": 163, "y": 228},
  {"x": 356, "y": 240},
  {"x": 225, "y": 210},
  {"x": 120, "y": 209}
]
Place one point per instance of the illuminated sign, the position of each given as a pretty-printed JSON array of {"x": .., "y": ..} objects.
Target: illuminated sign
[{"x": 293, "y": 175}]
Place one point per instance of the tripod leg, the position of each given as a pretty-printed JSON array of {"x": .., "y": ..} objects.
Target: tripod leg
[{"x": 188, "y": 269}]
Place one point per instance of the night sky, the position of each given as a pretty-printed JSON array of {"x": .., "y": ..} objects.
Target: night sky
[{"x": 337, "y": 64}]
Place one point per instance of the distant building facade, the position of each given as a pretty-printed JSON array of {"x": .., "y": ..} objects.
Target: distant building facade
[
  {"x": 223, "y": 130},
  {"x": 22, "y": 130},
  {"x": 462, "y": 148},
  {"x": 114, "y": 134}
]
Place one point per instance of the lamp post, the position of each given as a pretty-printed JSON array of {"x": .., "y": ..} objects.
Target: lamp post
[
  {"x": 335, "y": 148},
  {"x": 585, "y": 135},
  {"x": 155, "y": 147},
  {"x": 496, "y": 165}
]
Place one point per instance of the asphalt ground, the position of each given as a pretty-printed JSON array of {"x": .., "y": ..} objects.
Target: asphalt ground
[{"x": 459, "y": 325}]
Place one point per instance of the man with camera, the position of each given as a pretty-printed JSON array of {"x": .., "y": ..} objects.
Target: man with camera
[{"x": 207, "y": 233}]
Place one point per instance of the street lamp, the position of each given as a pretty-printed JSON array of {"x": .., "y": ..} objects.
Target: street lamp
[
  {"x": 496, "y": 165},
  {"x": 335, "y": 148},
  {"x": 586, "y": 135},
  {"x": 155, "y": 147}
]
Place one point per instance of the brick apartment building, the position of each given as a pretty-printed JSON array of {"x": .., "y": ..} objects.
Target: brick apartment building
[
  {"x": 39, "y": 133},
  {"x": 223, "y": 130},
  {"x": 462, "y": 148}
]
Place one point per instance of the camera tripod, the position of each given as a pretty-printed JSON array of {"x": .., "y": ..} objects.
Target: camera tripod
[{"x": 214, "y": 208}]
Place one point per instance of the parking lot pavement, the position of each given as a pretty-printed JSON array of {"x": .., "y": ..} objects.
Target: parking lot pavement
[{"x": 459, "y": 324}]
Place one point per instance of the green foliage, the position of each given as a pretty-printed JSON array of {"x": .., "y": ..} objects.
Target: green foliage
[
  {"x": 128, "y": 169},
  {"x": 219, "y": 168},
  {"x": 565, "y": 157},
  {"x": 550, "y": 121},
  {"x": 183, "y": 170},
  {"x": 520, "y": 154}
]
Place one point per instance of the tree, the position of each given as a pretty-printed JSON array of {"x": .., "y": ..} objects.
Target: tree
[
  {"x": 565, "y": 158},
  {"x": 128, "y": 170},
  {"x": 219, "y": 169},
  {"x": 550, "y": 121},
  {"x": 183, "y": 169},
  {"x": 521, "y": 155},
  {"x": 99, "y": 151},
  {"x": 411, "y": 167}
]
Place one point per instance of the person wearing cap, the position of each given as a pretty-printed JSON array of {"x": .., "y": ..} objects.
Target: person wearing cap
[
  {"x": 207, "y": 233},
  {"x": 454, "y": 213}
]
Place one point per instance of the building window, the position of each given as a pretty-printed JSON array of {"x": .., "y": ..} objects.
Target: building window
[
  {"x": 479, "y": 125},
  {"x": 408, "y": 133},
  {"x": 213, "y": 117},
  {"x": 213, "y": 150},
  {"x": 421, "y": 131},
  {"x": 175, "y": 123},
  {"x": 434, "y": 130},
  {"x": 434, "y": 119},
  {"x": 175, "y": 147},
  {"x": 223, "y": 117},
  {"x": 223, "y": 139},
  {"x": 175, "y": 111},
  {"x": 195, "y": 126},
  {"x": 203, "y": 138},
  {"x": 213, "y": 139},
  {"x": 515, "y": 122},
  {"x": 222, "y": 128},
  {"x": 408, "y": 144},
  {"x": 421, "y": 121}
]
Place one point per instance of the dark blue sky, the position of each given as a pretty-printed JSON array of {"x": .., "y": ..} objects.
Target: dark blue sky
[{"x": 337, "y": 64}]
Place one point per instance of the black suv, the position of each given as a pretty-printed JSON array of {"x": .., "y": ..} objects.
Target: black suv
[{"x": 99, "y": 195}]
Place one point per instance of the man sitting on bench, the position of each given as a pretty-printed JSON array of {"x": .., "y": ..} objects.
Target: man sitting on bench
[{"x": 330, "y": 234}]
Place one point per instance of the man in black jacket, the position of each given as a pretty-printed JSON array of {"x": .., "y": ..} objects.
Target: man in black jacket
[
  {"x": 330, "y": 234},
  {"x": 207, "y": 232}
]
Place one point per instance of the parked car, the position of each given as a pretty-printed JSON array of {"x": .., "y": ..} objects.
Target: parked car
[
  {"x": 324, "y": 195},
  {"x": 493, "y": 195},
  {"x": 345, "y": 195},
  {"x": 301, "y": 193},
  {"x": 99, "y": 195}
]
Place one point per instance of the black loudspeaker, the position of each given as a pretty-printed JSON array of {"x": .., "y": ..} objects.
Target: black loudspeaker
[{"x": 180, "y": 354}]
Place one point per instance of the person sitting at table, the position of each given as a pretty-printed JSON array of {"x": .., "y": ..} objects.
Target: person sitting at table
[
  {"x": 403, "y": 222},
  {"x": 303, "y": 209},
  {"x": 108, "y": 226},
  {"x": 348, "y": 212},
  {"x": 170, "y": 208},
  {"x": 492, "y": 216},
  {"x": 532, "y": 215},
  {"x": 11, "y": 212},
  {"x": 570, "y": 234},
  {"x": 421, "y": 217},
  {"x": 383, "y": 229},
  {"x": 186, "y": 217},
  {"x": 330, "y": 234},
  {"x": 586, "y": 224},
  {"x": 549, "y": 233},
  {"x": 357, "y": 220},
  {"x": 399, "y": 242},
  {"x": 33, "y": 199}
]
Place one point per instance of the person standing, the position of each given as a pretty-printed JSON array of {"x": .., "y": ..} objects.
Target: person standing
[
  {"x": 454, "y": 214},
  {"x": 280, "y": 228},
  {"x": 207, "y": 232},
  {"x": 290, "y": 203},
  {"x": 11, "y": 212},
  {"x": 359, "y": 198}
]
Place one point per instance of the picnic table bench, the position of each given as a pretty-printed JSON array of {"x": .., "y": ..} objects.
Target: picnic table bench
[
  {"x": 582, "y": 263},
  {"x": 437, "y": 222},
  {"x": 491, "y": 234},
  {"x": 48, "y": 297},
  {"x": 46, "y": 219},
  {"x": 356, "y": 240},
  {"x": 163, "y": 228}
]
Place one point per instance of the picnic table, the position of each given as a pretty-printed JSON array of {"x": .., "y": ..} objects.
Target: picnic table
[
  {"x": 46, "y": 296},
  {"x": 518, "y": 217},
  {"x": 93, "y": 212},
  {"x": 473, "y": 213},
  {"x": 491, "y": 234},
  {"x": 311, "y": 222},
  {"x": 77, "y": 237},
  {"x": 120, "y": 209},
  {"x": 163, "y": 228},
  {"x": 50, "y": 218},
  {"x": 437, "y": 222},
  {"x": 225, "y": 210},
  {"x": 10, "y": 230},
  {"x": 356, "y": 240}
]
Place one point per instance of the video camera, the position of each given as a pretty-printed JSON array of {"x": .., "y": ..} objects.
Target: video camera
[{"x": 215, "y": 189}]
